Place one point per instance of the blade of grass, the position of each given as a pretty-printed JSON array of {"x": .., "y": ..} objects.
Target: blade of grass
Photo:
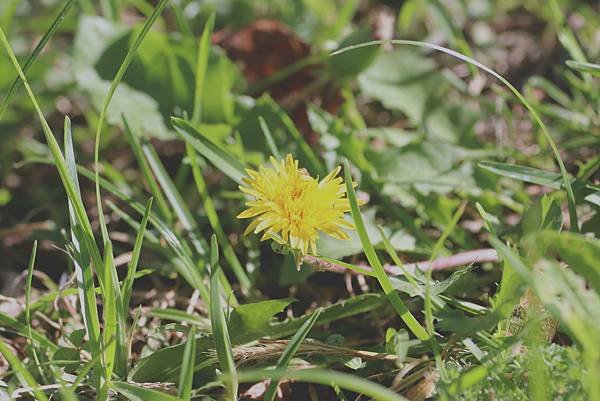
[
  {"x": 298, "y": 138},
  {"x": 28, "y": 282},
  {"x": 384, "y": 280},
  {"x": 107, "y": 99},
  {"x": 186, "y": 376},
  {"x": 161, "y": 202},
  {"x": 565, "y": 176},
  {"x": 219, "y": 324},
  {"x": 225, "y": 162},
  {"x": 269, "y": 138},
  {"x": 214, "y": 221},
  {"x": 204, "y": 45},
  {"x": 182, "y": 212},
  {"x": 109, "y": 311},
  {"x": 290, "y": 350},
  {"x": 59, "y": 161},
  {"x": 81, "y": 260},
  {"x": 174, "y": 198},
  {"x": 34, "y": 55},
  {"x": 324, "y": 377},
  {"x": 22, "y": 372},
  {"x": 127, "y": 284},
  {"x": 7, "y": 322}
]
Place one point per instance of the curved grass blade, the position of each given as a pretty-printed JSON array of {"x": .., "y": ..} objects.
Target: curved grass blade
[
  {"x": 325, "y": 377},
  {"x": 289, "y": 352},
  {"x": 219, "y": 324},
  {"x": 36, "y": 52},
  {"x": 59, "y": 161},
  {"x": 107, "y": 99},
  {"x": 376, "y": 265},
  {"x": 186, "y": 376},
  {"x": 515, "y": 91}
]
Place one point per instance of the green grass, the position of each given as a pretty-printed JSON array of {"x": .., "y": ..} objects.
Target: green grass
[{"x": 139, "y": 283}]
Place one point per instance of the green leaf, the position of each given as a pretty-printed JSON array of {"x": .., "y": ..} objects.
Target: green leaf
[
  {"x": 255, "y": 318},
  {"x": 581, "y": 253},
  {"x": 350, "y": 64}
]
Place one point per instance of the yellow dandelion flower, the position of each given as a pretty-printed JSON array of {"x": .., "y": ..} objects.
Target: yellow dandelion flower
[{"x": 291, "y": 207}]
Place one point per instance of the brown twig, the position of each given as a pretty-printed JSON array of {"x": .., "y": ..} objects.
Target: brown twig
[{"x": 445, "y": 262}]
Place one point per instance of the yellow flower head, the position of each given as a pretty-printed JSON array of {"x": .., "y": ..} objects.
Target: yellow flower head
[{"x": 291, "y": 207}]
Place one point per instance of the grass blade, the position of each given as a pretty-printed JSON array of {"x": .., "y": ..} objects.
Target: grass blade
[
  {"x": 57, "y": 156},
  {"x": 181, "y": 210},
  {"x": 111, "y": 91},
  {"x": 219, "y": 324},
  {"x": 289, "y": 352},
  {"x": 110, "y": 319},
  {"x": 201, "y": 66},
  {"x": 215, "y": 222},
  {"x": 135, "y": 257},
  {"x": 161, "y": 202},
  {"x": 226, "y": 163},
  {"x": 186, "y": 376},
  {"x": 376, "y": 265},
  {"x": 536, "y": 117},
  {"x": 269, "y": 138},
  {"x": 23, "y": 374},
  {"x": 298, "y": 138},
  {"x": 523, "y": 173},
  {"x": 36, "y": 52}
]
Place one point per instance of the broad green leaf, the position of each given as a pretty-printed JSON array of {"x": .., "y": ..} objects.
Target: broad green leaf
[{"x": 581, "y": 253}]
